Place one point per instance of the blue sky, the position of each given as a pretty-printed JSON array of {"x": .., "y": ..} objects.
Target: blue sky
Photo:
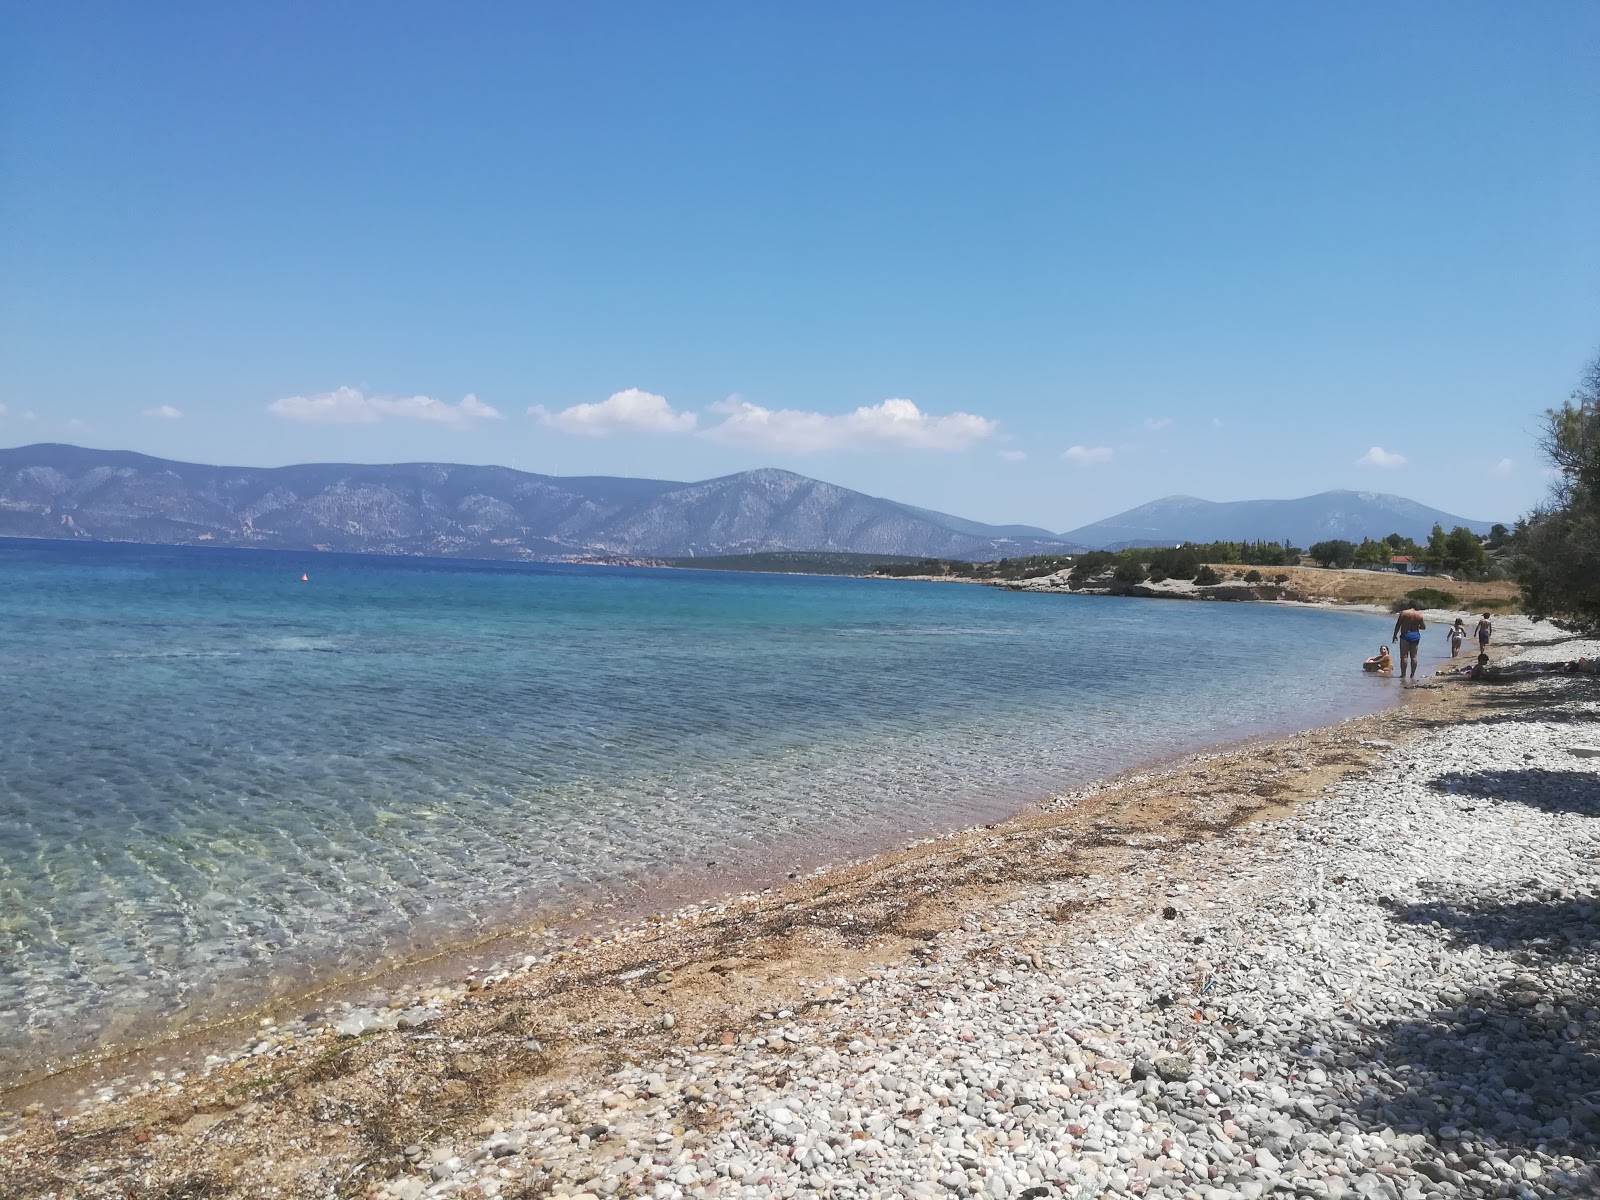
[{"x": 1030, "y": 263}]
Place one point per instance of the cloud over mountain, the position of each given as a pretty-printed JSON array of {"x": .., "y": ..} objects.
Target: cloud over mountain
[
  {"x": 351, "y": 406},
  {"x": 627, "y": 411},
  {"x": 1379, "y": 457},
  {"x": 895, "y": 422}
]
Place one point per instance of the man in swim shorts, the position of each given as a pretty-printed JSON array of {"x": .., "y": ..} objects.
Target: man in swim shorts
[
  {"x": 1484, "y": 629},
  {"x": 1407, "y": 636}
]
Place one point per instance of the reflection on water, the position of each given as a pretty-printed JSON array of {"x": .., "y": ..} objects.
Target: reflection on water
[{"x": 215, "y": 778}]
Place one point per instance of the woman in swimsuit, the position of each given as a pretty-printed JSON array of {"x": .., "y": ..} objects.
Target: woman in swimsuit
[{"x": 1457, "y": 635}]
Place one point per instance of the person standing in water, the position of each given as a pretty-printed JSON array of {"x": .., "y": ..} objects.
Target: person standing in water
[
  {"x": 1484, "y": 628},
  {"x": 1407, "y": 636},
  {"x": 1457, "y": 635}
]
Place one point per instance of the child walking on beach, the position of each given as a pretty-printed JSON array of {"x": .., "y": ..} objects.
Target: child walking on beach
[{"x": 1457, "y": 634}]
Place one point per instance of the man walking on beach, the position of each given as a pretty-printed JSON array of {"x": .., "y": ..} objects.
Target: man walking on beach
[{"x": 1407, "y": 636}]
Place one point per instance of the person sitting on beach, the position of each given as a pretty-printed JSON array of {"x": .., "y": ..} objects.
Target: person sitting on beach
[
  {"x": 1481, "y": 669},
  {"x": 1379, "y": 662},
  {"x": 1408, "y": 627},
  {"x": 1457, "y": 634}
]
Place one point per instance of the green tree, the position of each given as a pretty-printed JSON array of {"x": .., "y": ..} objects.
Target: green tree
[
  {"x": 1435, "y": 552},
  {"x": 1089, "y": 565},
  {"x": 1372, "y": 554},
  {"x": 1337, "y": 553},
  {"x": 1499, "y": 535},
  {"x": 1402, "y": 546},
  {"x": 1181, "y": 563},
  {"x": 1464, "y": 553},
  {"x": 1556, "y": 548}
]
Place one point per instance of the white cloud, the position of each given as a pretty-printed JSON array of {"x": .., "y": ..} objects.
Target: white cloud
[
  {"x": 1087, "y": 456},
  {"x": 1216, "y": 422},
  {"x": 1013, "y": 455},
  {"x": 76, "y": 424},
  {"x": 630, "y": 411},
  {"x": 350, "y": 406},
  {"x": 1155, "y": 423},
  {"x": 1379, "y": 457},
  {"x": 1504, "y": 467},
  {"x": 2, "y": 410},
  {"x": 896, "y": 422},
  {"x": 162, "y": 412}
]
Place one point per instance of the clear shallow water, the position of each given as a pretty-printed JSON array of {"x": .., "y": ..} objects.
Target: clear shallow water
[{"x": 215, "y": 779}]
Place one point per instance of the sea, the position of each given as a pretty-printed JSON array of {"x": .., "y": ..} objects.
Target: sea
[{"x": 228, "y": 774}]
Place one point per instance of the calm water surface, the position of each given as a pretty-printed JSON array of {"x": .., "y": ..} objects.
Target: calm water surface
[{"x": 215, "y": 779}]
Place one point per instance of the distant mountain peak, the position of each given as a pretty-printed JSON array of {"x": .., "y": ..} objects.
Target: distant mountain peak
[
  {"x": 771, "y": 474},
  {"x": 1322, "y": 517}
]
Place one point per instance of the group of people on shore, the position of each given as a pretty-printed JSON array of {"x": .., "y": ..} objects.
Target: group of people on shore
[{"x": 1407, "y": 636}]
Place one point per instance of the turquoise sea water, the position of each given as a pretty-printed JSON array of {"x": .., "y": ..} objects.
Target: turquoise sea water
[{"x": 216, "y": 779}]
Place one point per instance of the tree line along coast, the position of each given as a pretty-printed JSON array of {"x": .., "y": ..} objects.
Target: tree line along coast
[
  {"x": 1548, "y": 566},
  {"x": 1327, "y": 571}
]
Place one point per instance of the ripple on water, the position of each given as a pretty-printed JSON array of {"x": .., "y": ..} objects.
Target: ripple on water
[{"x": 215, "y": 784}]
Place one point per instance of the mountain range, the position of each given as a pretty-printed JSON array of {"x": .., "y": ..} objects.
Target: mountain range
[
  {"x": 482, "y": 512},
  {"x": 59, "y": 491},
  {"x": 1311, "y": 519}
]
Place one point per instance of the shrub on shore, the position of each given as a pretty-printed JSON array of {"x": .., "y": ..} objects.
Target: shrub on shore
[
  {"x": 1557, "y": 546},
  {"x": 1252, "y": 576},
  {"x": 1426, "y": 597},
  {"x": 1206, "y": 577}
]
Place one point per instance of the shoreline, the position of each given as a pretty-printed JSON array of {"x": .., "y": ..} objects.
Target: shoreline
[
  {"x": 1153, "y": 592},
  {"x": 594, "y": 911},
  {"x": 583, "y": 1041},
  {"x": 292, "y": 985},
  {"x": 859, "y": 915}
]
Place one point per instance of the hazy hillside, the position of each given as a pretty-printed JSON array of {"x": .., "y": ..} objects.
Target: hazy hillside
[
  {"x": 1310, "y": 519},
  {"x": 444, "y": 509}
]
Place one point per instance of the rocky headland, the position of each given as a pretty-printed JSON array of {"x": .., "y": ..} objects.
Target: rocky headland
[{"x": 1166, "y": 589}]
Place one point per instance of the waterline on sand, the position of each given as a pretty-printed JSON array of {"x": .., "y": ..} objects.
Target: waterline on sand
[{"x": 223, "y": 781}]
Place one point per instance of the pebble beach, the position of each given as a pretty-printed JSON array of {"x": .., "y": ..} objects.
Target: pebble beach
[{"x": 1362, "y": 961}]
